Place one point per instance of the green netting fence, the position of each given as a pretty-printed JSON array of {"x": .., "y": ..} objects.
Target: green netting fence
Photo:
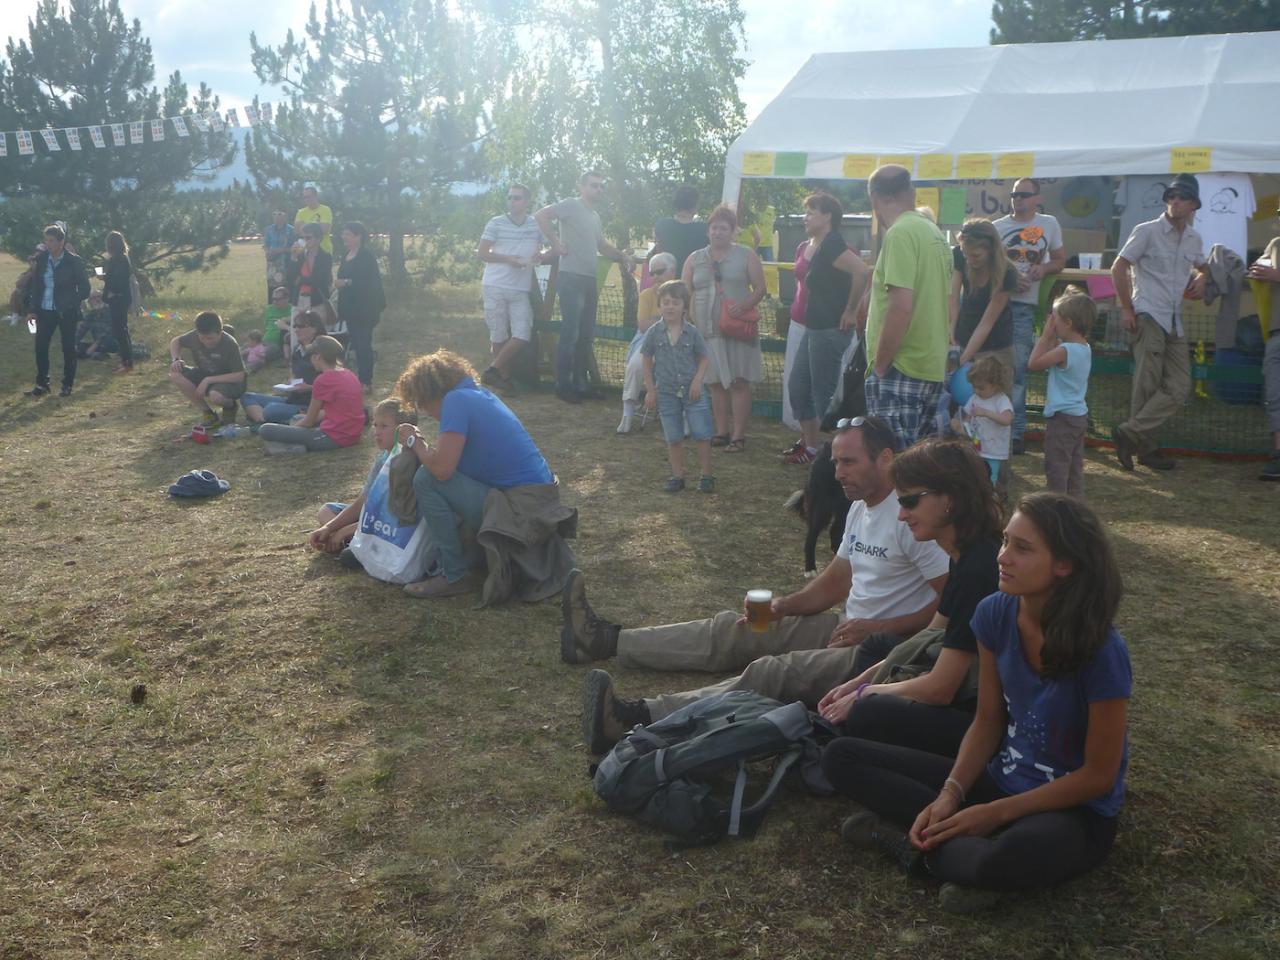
[{"x": 1223, "y": 417}]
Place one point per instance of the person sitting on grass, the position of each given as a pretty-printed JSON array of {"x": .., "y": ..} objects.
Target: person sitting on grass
[
  {"x": 340, "y": 521},
  {"x": 336, "y": 415},
  {"x": 481, "y": 446},
  {"x": 254, "y": 353},
  {"x": 281, "y": 408},
  {"x": 275, "y": 324},
  {"x": 1032, "y": 796},
  {"x": 675, "y": 362},
  {"x": 217, "y": 377}
]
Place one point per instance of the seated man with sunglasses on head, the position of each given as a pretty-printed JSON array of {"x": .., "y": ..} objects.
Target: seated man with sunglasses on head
[{"x": 888, "y": 580}]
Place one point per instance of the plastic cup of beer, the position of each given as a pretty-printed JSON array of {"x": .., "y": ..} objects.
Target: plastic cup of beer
[{"x": 760, "y": 609}]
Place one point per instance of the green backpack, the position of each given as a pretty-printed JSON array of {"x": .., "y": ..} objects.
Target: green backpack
[{"x": 666, "y": 773}]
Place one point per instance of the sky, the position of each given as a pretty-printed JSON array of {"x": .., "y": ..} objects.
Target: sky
[{"x": 208, "y": 39}]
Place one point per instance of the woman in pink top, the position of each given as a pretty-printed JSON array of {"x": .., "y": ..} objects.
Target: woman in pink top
[
  {"x": 795, "y": 333},
  {"x": 336, "y": 415}
]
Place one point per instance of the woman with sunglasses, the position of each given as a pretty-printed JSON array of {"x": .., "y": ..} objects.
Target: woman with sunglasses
[
  {"x": 727, "y": 272},
  {"x": 1032, "y": 796},
  {"x": 662, "y": 267},
  {"x": 944, "y": 495}
]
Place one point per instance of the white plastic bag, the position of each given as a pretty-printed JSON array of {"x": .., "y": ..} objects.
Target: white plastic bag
[{"x": 387, "y": 549}]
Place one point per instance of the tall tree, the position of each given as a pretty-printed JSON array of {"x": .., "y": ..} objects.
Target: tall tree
[
  {"x": 88, "y": 66},
  {"x": 1044, "y": 21},
  {"x": 647, "y": 89},
  {"x": 385, "y": 107}
]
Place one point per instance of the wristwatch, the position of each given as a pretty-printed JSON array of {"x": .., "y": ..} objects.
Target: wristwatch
[{"x": 413, "y": 438}]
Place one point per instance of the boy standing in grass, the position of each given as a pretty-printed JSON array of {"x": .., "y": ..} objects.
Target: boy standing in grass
[
  {"x": 1064, "y": 351},
  {"x": 675, "y": 363},
  {"x": 217, "y": 378}
]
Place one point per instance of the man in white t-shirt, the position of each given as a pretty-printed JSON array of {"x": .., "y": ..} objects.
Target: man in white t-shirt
[
  {"x": 510, "y": 246},
  {"x": 1033, "y": 243},
  {"x": 889, "y": 582}
]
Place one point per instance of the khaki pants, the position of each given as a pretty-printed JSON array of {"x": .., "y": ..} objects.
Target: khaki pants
[
  {"x": 791, "y": 661},
  {"x": 1161, "y": 382},
  {"x": 1064, "y": 453}
]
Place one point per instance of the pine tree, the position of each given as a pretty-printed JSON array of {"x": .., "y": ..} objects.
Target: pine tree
[
  {"x": 1044, "y": 21},
  {"x": 87, "y": 66}
]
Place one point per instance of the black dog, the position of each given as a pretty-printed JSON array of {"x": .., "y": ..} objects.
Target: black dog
[{"x": 823, "y": 505}]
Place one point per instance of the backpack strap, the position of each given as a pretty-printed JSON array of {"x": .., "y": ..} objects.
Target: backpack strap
[{"x": 752, "y": 815}]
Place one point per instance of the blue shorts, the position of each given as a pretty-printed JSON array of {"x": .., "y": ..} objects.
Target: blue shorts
[{"x": 673, "y": 411}]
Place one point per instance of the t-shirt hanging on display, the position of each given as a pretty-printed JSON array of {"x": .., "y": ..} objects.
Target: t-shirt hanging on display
[{"x": 1226, "y": 204}]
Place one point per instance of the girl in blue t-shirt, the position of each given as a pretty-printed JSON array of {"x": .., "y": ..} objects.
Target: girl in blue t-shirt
[
  {"x": 1063, "y": 349},
  {"x": 1032, "y": 796}
]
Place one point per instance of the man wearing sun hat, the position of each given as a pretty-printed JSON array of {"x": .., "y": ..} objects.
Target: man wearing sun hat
[{"x": 1160, "y": 264}]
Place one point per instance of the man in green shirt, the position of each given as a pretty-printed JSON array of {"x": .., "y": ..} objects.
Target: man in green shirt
[{"x": 907, "y": 323}]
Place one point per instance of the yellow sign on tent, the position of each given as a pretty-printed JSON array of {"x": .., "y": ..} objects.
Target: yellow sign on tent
[
  {"x": 930, "y": 197},
  {"x": 859, "y": 166},
  {"x": 901, "y": 159},
  {"x": 974, "y": 166},
  {"x": 757, "y": 163},
  {"x": 936, "y": 166},
  {"x": 1190, "y": 159},
  {"x": 1011, "y": 166}
]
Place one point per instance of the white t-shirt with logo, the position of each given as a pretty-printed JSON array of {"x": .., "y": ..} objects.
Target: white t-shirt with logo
[
  {"x": 891, "y": 569},
  {"x": 1027, "y": 243}
]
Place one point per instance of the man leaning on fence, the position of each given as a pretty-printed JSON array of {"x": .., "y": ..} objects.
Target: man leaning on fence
[
  {"x": 1160, "y": 264},
  {"x": 579, "y": 238}
]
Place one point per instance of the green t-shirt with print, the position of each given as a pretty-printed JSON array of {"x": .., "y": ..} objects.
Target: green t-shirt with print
[{"x": 914, "y": 255}]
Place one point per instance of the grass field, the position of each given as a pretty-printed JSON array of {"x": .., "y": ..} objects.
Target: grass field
[{"x": 327, "y": 768}]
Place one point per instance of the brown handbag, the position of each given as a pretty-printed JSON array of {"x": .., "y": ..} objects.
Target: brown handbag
[{"x": 746, "y": 326}]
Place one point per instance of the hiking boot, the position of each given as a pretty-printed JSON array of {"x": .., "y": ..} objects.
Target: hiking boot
[
  {"x": 1125, "y": 448},
  {"x": 1155, "y": 460},
  {"x": 707, "y": 485},
  {"x": 673, "y": 484},
  {"x": 801, "y": 455},
  {"x": 606, "y": 717},
  {"x": 210, "y": 419},
  {"x": 954, "y": 898},
  {"x": 1272, "y": 470},
  {"x": 867, "y": 831},
  {"x": 491, "y": 377},
  {"x": 437, "y": 588},
  {"x": 584, "y": 637}
]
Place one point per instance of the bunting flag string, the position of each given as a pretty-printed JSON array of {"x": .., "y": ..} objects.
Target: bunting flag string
[{"x": 53, "y": 137}]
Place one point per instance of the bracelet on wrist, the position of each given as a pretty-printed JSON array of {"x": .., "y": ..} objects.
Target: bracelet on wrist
[
  {"x": 953, "y": 782},
  {"x": 858, "y": 692}
]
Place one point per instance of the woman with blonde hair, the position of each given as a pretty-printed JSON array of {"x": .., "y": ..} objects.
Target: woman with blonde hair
[
  {"x": 480, "y": 446},
  {"x": 981, "y": 318}
]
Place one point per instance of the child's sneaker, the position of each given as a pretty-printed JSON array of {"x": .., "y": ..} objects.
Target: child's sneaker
[
  {"x": 674, "y": 484},
  {"x": 707, "y": 484},
  {"x": 210, "y": 419}
]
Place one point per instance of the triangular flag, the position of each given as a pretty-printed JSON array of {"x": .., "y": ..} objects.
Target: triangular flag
[
  {"x": 266, "y": 113},
  {"x": 50, "y": 139},
  {"x": 73, "y": 137},
  {"x": 202, "y": 124},
  {"x": 251, "y": 115},
  {"x": 25, "y": 146},
  {"x": 95, "y": 134},
  {"x": 157, "y": 129},
  {"x": 180, "y": 125},
  {"x": 117, "y": 134},
  {"x": 4, "y": 144},
  {"x": 135, "y": 132},
  {"x": 233, "y": 119}
]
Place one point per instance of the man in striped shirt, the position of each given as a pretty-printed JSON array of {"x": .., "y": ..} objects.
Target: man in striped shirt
[{"x": 510, "y": 245}]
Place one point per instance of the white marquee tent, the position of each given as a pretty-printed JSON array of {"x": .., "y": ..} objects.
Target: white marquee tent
[{"x": 1206, "y": 103}]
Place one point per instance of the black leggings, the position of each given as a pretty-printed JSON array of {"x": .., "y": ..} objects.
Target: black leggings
[
  {"x": 120, "y": 328},
  {"x": 885, "y": 718},
  {"x": 1037, "y": 851}
]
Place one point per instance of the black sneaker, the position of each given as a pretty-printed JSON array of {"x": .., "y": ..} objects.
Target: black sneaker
[
  {"x": 867, "y": 831},
  {"x": 584, "y": 637},
  {"x": 1155, "y": 460},
  {"x": 36, "y": 391},
  {"x": 65, "y": 391},
  {"x": 1272, "y": 470},
  {"x": 606, "y": 717},
  {"x": 1124, "y": 449}
]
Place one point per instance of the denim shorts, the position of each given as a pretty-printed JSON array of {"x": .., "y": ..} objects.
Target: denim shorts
[{"x": 674, "y": 410}]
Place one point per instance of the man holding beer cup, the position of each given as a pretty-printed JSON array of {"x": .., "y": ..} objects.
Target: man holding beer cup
[{"x": 889, "y": 584}]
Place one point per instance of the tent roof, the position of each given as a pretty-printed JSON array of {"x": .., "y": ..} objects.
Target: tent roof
[{"x": 1085, "y": 108}]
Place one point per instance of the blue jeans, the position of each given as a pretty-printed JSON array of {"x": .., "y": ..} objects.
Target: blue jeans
[
  {"x": 445, "y": 504},
  {"x": 1024, "y": 338},
  {"x": 274, "y": 410},
  {"x": 578, "y": 300},
  {"x": 673, "y": 410},
  {"x": 816, "y": 372}
]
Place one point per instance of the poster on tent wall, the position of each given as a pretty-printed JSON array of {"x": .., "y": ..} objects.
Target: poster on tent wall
[
  {"x": 1079, "y": 203},
  {"x": 1226, "y": 204}
]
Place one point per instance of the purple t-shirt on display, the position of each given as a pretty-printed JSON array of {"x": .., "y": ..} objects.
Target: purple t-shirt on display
[{"x": 1049, "y": 719}]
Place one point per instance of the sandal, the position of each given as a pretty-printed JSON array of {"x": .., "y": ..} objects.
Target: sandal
[
  {"x": 736, "y": 446},
  {"x": 720, "y": 440}
]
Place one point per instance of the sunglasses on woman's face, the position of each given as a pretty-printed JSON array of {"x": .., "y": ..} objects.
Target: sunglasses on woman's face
[{"x": 909, "y": 501}]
